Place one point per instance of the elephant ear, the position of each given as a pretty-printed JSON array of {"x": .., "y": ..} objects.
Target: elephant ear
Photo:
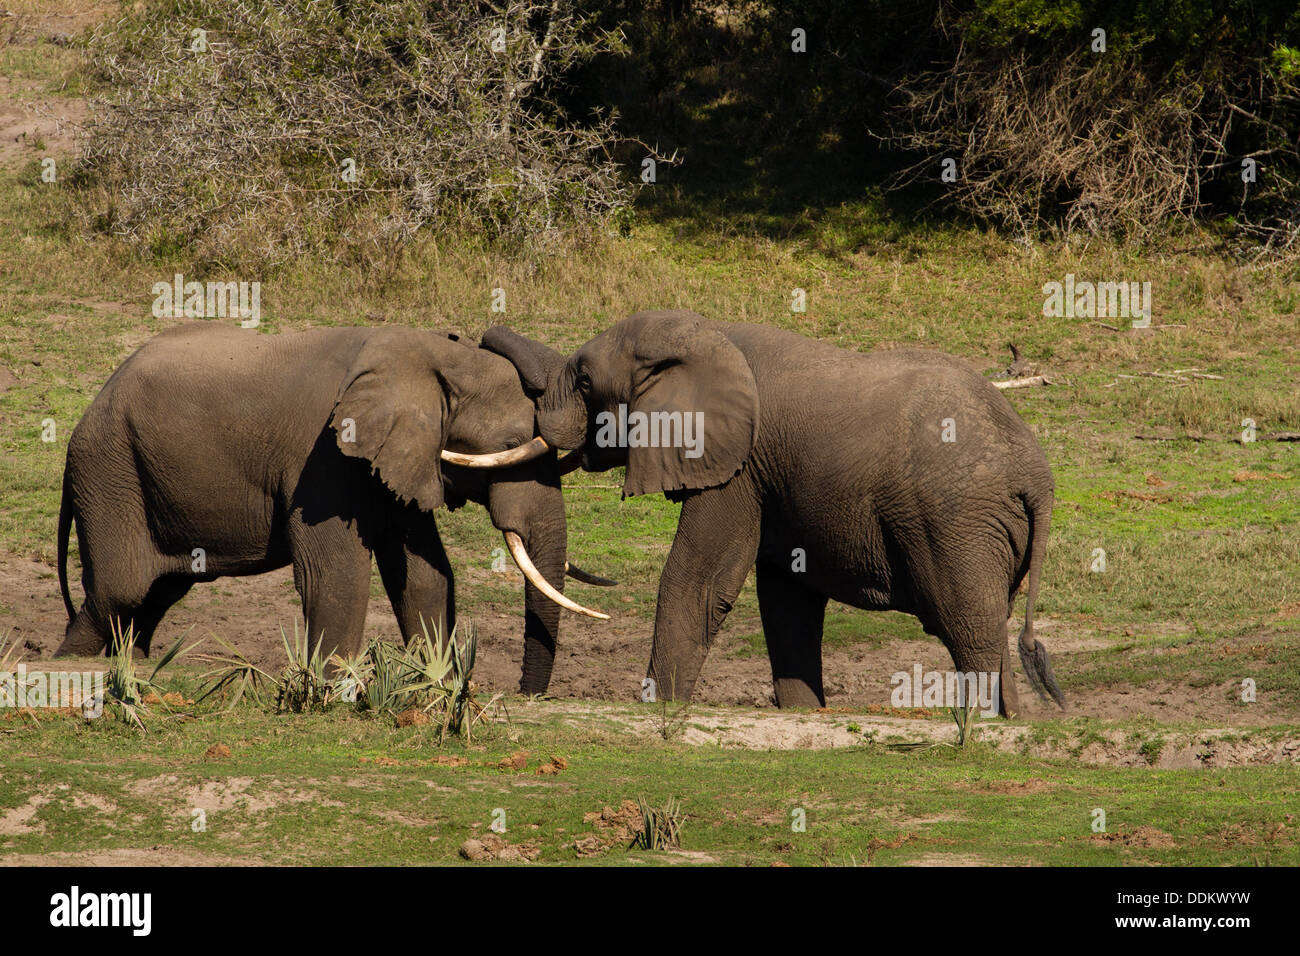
[
  {"x": 392, "y": 411},
  {"x": 686, "y": 365}
]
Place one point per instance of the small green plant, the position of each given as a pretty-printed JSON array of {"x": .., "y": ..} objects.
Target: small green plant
[
  {"x": 661, "y": 828},
  {"x": 379, "y": 677},
  {"x": 964, "y": 717},
  {"x": 124, "y": 687},
  {"x": 9, "y": 655},
  {"x": 1151, "y": 749},
  {"x": 431, "y": 674},
  {"x": 302, "y": 686},
  {"x": 670, "y": 720},
  {"x": 235, "y": 671}
]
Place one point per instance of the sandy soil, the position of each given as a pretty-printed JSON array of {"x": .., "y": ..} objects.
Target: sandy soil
[
  {"x": 48, "y": 121},
  {"x": 602, "y": 660},
  {"x": 595, "y": 660}
]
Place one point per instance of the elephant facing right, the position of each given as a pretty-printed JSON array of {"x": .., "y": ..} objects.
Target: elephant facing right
[{"x": 895, "y": 480}]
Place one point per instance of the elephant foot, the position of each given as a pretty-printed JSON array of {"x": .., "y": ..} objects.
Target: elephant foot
[
  {"x": 82, "y": 639},
  {"x": 792, "y": 692}
]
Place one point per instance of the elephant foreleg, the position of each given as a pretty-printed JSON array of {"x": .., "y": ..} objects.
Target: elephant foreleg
[
  {"x": 715, "y": 546},
  {"x": 793, "y": 615}
]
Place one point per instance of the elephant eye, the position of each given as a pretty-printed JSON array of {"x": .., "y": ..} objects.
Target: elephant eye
[{"x": 584, "y": 383}]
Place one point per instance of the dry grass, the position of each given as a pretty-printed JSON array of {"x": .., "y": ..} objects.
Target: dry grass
[
  {"x": 249, "y": 132},
  {"x": 1097, "y": 144}
]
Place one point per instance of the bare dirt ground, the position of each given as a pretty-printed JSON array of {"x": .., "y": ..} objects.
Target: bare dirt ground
[
  {"x": 27, "y": 122},
  {"x": 595, "y": 660},
  {"x": 602, "y": 660},
  {"x": 833, "y": 727}
]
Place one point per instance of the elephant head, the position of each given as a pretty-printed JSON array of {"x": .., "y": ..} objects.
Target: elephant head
[
  {"x": 664, "y": 393},
  {"x": 441, "y": 422}
]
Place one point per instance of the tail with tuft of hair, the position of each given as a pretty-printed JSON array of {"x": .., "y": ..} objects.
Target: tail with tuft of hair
[
  {"x": 1033, "y": 655},
  {"x": 65, "y": 526}
]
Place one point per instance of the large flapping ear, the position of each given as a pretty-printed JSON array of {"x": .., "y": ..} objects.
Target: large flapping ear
[
  {"x": 699, "y": 400},
  {"x": 392, "y": 410}
]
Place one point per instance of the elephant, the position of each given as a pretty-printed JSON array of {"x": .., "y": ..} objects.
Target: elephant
[
  {"x": 216, "y": 451},
  {"x": 892, "y": 480}
]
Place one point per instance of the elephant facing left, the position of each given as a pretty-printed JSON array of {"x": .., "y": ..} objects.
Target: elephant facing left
[{"x": 216, "y": 451}]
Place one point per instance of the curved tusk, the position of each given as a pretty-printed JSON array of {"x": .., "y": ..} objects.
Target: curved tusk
[
  {"x": 571, "y": 462},
  {"x": 517, "y": 551},
  {"x": 586, "y": 577},
  {"x": 499, "y": 459}
]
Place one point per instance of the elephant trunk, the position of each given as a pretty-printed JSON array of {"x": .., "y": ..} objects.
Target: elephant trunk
[
  {"x": 561, "y": 414},
  {"x": 548, "y": 378},
  {"x": 534, "y": 511}
]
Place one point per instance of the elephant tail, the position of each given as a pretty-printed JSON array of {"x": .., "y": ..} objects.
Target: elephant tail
[
  {"x": 65, "y": 526},
  {"x": 1033, "y": 656}
]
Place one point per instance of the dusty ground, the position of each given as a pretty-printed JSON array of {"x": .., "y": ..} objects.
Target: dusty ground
[
  {"x": 595, "y": 660},
  {"x": 600, "y": 660},
  {"x": 32, "y": 127},
  {"x": 794, "y": 730},
  {"x": 23, "y": 124}
]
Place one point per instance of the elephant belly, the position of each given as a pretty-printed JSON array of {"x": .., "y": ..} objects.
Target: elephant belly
[
  {"x": 213, "y": 534},
  {"x": 847, "y": 561}
]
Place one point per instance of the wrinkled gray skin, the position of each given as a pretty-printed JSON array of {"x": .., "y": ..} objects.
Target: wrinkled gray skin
[
  {"x": 811, "y": 447},
  {"x": 223, "y": 439}
]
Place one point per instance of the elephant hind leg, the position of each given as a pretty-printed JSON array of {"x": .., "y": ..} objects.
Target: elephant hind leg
[
  {"x": 91, "y": 630},
  {"x": 85, "y": 637},
  {"x": 979, "y": 645},
  {"x": 793, "y": 615},
  {"x": 970, "y": 618},
  {"x": 164, "y": 593}
]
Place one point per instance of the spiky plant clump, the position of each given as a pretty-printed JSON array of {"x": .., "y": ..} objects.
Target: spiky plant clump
[
  {"x": 234, "y": 672},
  {"x": 964, "y": 717},
  {"x": 661, "y": 827},
  {"x": 124, "y": 686},
  {"x": 303, "y": 686},
  {"x": 10, "y": 655},
  {"x": 432, "y": 674}
]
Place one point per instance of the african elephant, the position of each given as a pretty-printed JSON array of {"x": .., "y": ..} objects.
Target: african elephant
[
  {"x": 896, "y": 480},
  {"x": 216, "y": 451}
]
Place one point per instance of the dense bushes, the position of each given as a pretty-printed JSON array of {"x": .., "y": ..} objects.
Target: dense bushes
[
  {"x": 1111, "y": 118},
  {"x": 242, "y": 147},
  {"x": 251, "y": 130},
  {"x": 1046, "y": 132}
]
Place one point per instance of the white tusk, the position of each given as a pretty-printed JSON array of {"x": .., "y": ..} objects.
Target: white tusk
[
  {"x": 499, "y": 459},
  {"x": 516, "y": 546}
]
